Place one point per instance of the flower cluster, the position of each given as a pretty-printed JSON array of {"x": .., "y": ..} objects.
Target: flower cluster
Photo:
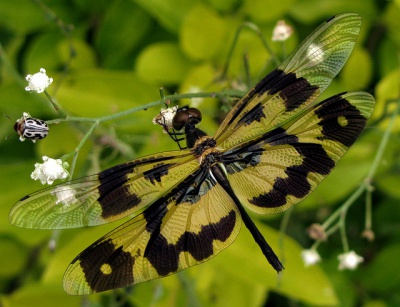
[
  {"x": 282, "y": 31},
  {"x": 38, "y": 82},
  {"x": 310, "y": 257},
  {"x": 50, "y": 170},
  {"x": 349, "y": 261}
]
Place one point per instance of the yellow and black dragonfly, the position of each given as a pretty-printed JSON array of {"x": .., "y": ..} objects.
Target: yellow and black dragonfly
[{"x": 271, "y": 151}]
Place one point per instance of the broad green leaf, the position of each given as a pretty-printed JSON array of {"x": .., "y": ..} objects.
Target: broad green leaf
[
  {"x": 15, "y": 100},
  {"x": 243, "y": 261},
  {"x": 224, "y": 5},
  {"x": 115, "y": 39},
  {"x": 250, "y": 47},
  {"x": 386, "y": 219},
  {"x": 36, "y": 295},
  {"x": 83, "y": 55},
  {"x": 387, "y": 54},
  {"x": 357, "y": 72},
  {"x": 376, "y": 303},
  {"x": 162, "y": 64},
  {"x": 169, "y": 13},
  {"x": 13, "y": 256},
  {"x": 313, "y": 10},
  {"x": 383, "y": 274},
  {"x": 266, "y": 10},
  {"x": 219, "y": 288},
  {"x": 200, "y": 78},
  {"x": 389, "y": 182},
  {"x": 97, "y": 92},
  {"x": 21, "y": 16},
  {"x": 392, "y": 21},
  {"x": 201, "y": 40},
  {"x": 342, "y": 281},
  {"x": 387, "y": 89},
  {"x": 52, "y": 51}
]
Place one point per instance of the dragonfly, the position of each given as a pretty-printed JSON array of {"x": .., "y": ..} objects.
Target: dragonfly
[{"x": 270, "y": 152}]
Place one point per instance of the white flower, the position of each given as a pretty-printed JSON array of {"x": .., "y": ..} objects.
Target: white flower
[
  {"x": 349, "y": 260},
  {"x": 38, "y": 82},
  {"x": 165, "y": 118},
  {"x": 50, "y": 170},
  {"x": 282, "y": 31},
  {"x": 310, "y": 257}
]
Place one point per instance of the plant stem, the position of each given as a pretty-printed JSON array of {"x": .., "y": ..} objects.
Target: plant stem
[
  {"x": 81, "y": 143},
  {"x": 160, "y": 102}
]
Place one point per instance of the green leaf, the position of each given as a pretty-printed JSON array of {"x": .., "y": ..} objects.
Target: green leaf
[
  {"x": 224, "y": 5},
  {"x": 387, "y": 56},
  {"x": 392, "y": 21},
  {"x": 163, "y": 64},
  {"x": 170, "y": 13},
  {"x": 383, "y": 274},
  {"x": 21, "y": 16},
  {"x": 389, "y": 182},
  {"x": 16, "y": 100},
  {"x": 376, "y": 303},
  {"x": 115, "y": 39},
  {"x": 250, "y": 46},
  {"x": 357, "y": 72},
  {"x": 244, "y": 263},
  {"x": 99, "y": 92},
  {"x": 266, "y": 10},
  {"x": 386, "y": 219},
  {"x": 203, "y": 40},
  {"x": 13, "y": 256},
  {"x": 37, "y": 295},
  {"x": 77, "y": 52},
  {"x": 219, "y": 288},
  {"x": 313, "y": 10},
  {"x": 387, "y": 89},
  {"x": 62, "y": 50}
]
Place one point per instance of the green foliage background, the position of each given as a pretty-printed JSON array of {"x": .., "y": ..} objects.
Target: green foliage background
[{"x": 109, "y": 56}]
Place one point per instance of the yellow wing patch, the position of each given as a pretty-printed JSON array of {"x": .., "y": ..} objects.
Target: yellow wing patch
[
  {"x": 168, "y": 237},
  {"x": 285, "y": 165}
]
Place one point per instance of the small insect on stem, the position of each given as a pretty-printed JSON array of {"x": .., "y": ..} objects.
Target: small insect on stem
[{"x": 31, "y": 128}]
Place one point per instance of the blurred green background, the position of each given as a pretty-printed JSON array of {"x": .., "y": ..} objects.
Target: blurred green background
[{"x": 110, "y": 56}]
